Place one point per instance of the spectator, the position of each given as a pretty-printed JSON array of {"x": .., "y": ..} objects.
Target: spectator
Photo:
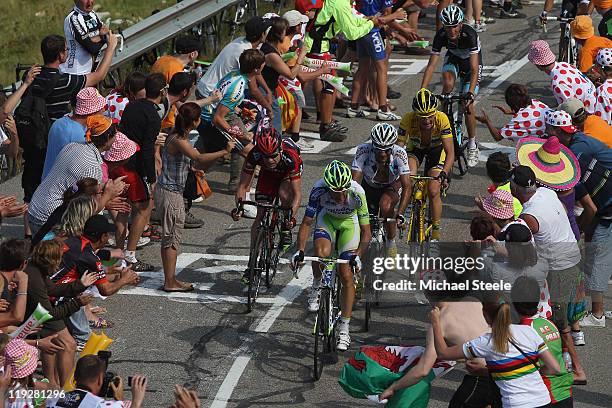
[
  {"x": 10, "y": 209},
  {"x": 80, "y": 256},
  {"x": 498, "y": 170},
  {"x": 527, "y": 115},
  {"x": 9, "y": 105},
  {"x": 187, "y": 50},
  {"x": 13, "y": 281},
  {"x": 584, "y": 34},
  {"x": 89, "y": 377},
  {"x": 67, "y": 171},
  {"x": 60, "y": 89},
  {"x": 185, "y": 398},
  {"x": 566, "y": 80},
  {"x": 142, "y": 124},
  {"x": 46, "y": 259},
  {"x": 500, "y": 206},
  {"x": 22, "y": 359},
  {"x": 603, "y": 107},
  {"x": 555, "y": 241},
  {"x": 71, "y": 128},
  {"x": 86, "y": 37},
  {"x": 73, "y": 220},
  {"x": 133, "y": 88},
  {"x": 483, "y": 226},
  {"x": 590, "y": 125}
]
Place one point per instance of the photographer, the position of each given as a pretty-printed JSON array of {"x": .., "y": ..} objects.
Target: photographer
[{"x": 91, "y": 387}]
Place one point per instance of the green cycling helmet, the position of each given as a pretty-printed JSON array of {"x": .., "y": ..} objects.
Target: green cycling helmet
[{"x": 337, "y": 176}]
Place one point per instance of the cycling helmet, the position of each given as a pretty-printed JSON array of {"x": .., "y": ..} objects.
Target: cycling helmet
[
  {"x": 383, "y": 135},
  {"x": 451, "y": 15},
  {"x": 604, "y": 57},
  {"x": 337, "y": 176},
  {"x": 268, "y": 141},
  {"x": 425, "y": 103}
]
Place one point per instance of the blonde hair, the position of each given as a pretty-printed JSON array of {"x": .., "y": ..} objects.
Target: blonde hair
[
  {"x": 498, "y": 312},
  {"x": 47, "y": 255},
  {"x": 77, "y": 213}
]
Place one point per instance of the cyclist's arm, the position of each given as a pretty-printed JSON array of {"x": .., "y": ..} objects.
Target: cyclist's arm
[
  {"x": 473, "y": 72},
  {"x": 585, "y": 8},
  {"x": 304, "y": 232},
  {"x": 449, "y": 150},
  {"x": 296, "y": 187},
  {"x": 548, "y": 5},
  {"x": 357, "y": 175},
  {"x": 405, "y": 197},
  {"x": 431, "y": 66},
  {"x": 363, "y": 215}
]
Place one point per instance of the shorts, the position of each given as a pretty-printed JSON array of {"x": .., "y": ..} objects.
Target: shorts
[
  {"x": 598, "y": 259},
  {"x": 476, "y": 392},
  {"x": 566, "y": 403},
  {"x": 462, "y": 70},
  {"x": 561, "y": 283},
  {"x": 371, "y": 46},
  {"x": 326, "y": 56},
  {"x": 373, "y": 194},
  {"x": 268, "y": 184},
  {"x": 211, "y": 139},
  {"x": 137, "y": 191},
  {"x": 34, "y": 162},
  {"x": 343, "y": 233},
  {"x": 171, "y": 209},
  {"x": 434, "y": 157}
]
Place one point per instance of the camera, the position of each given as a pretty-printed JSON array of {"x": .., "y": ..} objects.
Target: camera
[{"x": 109, "y": 377}]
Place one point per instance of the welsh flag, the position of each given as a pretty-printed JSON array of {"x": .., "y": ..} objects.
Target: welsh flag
[{"x": 374, "y": 368}]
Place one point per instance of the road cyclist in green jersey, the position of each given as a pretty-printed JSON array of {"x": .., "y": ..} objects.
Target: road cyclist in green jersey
[{"x": 338, "y": 210}]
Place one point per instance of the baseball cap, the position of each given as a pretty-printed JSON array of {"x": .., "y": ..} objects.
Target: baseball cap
[
  {"x": 523, "y": 176},
  {"x": 516, "y": 232},
  {"x": 573, "y": 106},
  {"x": 294, "y": 18},
  {"x": 256, "y": 26},
  {"x": 96, "y": 226},
  {"x": 186, "y": 44}
]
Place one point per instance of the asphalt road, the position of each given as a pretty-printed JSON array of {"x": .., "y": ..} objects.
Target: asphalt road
[{"x": 205, "y": 341}]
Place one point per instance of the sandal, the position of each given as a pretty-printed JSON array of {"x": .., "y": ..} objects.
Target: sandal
[
  {"x": 152, "y": 232},
  {"x": 141, "y": 266},
  {"x": 101, "y": 323}
]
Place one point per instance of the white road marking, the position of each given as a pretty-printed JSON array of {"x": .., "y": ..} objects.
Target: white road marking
[
  {"x": 487, "y": 148},
  {"x": 285, "y": 297},
  {"x": 352, "y": 151},
  {"x": 403, "y": 68},
  {"x": 319, "y": 145},
  {"x": 509, "y": 70}
]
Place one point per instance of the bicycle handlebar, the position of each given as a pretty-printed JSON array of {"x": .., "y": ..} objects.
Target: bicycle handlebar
[
  {"x": 242, "y": 203},
  {"x": 453, "y": 97},
  {"x": 325, "y": 260},
  {"x": 560, "y": 19}
]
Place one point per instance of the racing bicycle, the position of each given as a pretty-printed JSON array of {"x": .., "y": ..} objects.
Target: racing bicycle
[
  {"x": 568, "y": 51},
  {"x": 324, "y": 330},
  {"x": 455, "y": 117},
  {"x": 265, "y": 250}
]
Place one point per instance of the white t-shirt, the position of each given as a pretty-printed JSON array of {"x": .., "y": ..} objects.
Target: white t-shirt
[
  {"x": 555, "y": 240},
  {"x": 226, "y": 62},
  {"x": 519, "y": 381},
  {"x": 83, "y": 399},
  {"x": 84, "y": 26}
]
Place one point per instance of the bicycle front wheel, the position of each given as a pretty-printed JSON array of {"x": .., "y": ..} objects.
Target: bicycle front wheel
[
  {"x": 321, "y": 334},
  {"x": 256, "y": 267},
  {"x": 275, "y": 253}
]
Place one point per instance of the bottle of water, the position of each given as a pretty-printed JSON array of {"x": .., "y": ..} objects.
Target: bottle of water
[{"x": 568, "y": 360}]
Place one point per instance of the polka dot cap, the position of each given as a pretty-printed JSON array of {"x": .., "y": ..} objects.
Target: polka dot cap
[
  {"x": 604, "y": 57},
  {"x": 558, "y": 118}
]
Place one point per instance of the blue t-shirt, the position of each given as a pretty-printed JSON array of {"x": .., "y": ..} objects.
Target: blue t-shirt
[
  {"x": 585, "y": 144},
  {"x": 373, "y": 7},
  {"x": 62, "y": 132},
  {"x": 232, "y": 87}
]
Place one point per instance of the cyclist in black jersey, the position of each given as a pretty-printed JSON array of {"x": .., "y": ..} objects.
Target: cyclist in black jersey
[
  {"x": 463, "y": 60},
  {"x": 569, "y": 9}
]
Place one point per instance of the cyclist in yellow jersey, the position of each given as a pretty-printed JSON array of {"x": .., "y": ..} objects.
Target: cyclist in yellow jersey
[{"x": 427, "y": 136}]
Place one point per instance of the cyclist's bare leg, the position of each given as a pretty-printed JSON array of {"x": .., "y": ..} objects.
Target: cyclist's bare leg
[
  {"x": 322, "y": 249},
  {"x": 435, "y": 200},
  {"x": 387, "y": 204},
  {"x": 255, "y": 225},
  {"x": 470, "y": 120},
  {"x": 348, "y": 290},
  {"x": 448, "y": 81}
]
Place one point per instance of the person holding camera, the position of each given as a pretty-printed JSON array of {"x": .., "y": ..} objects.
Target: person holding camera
[{"x": 94, "y": 384}]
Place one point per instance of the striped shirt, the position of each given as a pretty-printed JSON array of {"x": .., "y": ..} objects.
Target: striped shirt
[
  {"x": 518, "y": 379},
  {"x": 76, "y": 161},
  {"x": 65, "y": 90}
]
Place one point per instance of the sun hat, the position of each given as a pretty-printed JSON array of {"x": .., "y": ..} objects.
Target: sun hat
[
  {"x": 560, "y": 119},
  {"x": 604, "y": 57},
  {"x": 96, "y": 125},
  {"x": 573, "y": 106},
  {"x": 304, "y": 6},
  {"x": 540, "y": 53},
  {"x": 22, "y": 358},
  {"x": 582, "y": 27},
  {"x": 89, "y": 101},
  {"x": 499, "y": 204},
  {"x": 123, "y": 148},
  {"x": 294, "y": 18},
  {"x": 553, "y": 164}
]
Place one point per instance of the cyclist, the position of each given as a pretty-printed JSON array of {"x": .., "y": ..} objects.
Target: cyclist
[
  {"x": 381, "y": 167},
  {"x": 427, "y": 136},
  {"x": 279, "y": 176},
  {"x": 463, "y": 60},
  {"x": 339, "y": 210}
]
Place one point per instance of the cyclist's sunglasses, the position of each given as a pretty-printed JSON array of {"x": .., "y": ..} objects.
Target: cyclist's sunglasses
[
  {"x": 271, "y": 156},
  {"x": 382, "y": 149},
  {"x": 340, "y": 190}
]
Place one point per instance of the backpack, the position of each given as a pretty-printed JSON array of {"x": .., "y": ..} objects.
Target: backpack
[
  {"x": 32, "y": 119},
  {"x": 317, "y": 32}
]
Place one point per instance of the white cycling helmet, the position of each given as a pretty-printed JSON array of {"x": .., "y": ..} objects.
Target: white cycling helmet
[
  {"x": 383, "y": 135},
  {"x": 451, "y": 15},
  {"x": 604, "y": 57}
]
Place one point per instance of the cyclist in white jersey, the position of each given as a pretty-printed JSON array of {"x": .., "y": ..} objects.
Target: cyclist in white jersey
[
  {"x": 382, "y": 168},
  {"x": 339, "y": 206}
]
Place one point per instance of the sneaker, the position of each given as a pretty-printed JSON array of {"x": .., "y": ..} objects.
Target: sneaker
[
  {"x": 387, "y": 116},
  {"x": 391, "y": 94},
  {"x": 344, "y": 341},
  {"x": 512, "y": 13},
  {"x": 608, "y": 314},
  {"x": 591, "y": 320},
  {"x": 472, "y": 156},
  {"x": 304, "y": 144},
  {"x": 285, "y": 238},
  {"x": 142, "y": 241},
  {"x": 245, "y": 277},
  {"x": 313, "y": 300},
  {"x": 330, "y": 134},
  {"x": 80, "y": 345},
  {"x": 468, "y": 22},
  {"x": 356, "y": 113},
  {"x": 249, "y": 211},
  {"x": 336, "y": 124},
  {"x": 578, "y": 338},
  {"x": 198, "y": 200},
  {"x": 480, "y": 27},
  {"x": 486, "y": 20},
  {"x": 191, "y": 221}
]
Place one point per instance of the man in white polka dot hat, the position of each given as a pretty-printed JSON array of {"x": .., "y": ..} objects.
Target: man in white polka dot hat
[
  {"x": 566, "y": 80},
  {"x": 603, "y": 106}
]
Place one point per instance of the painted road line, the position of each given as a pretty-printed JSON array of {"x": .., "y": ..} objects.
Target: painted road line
[
  {"x": 508, "y": 71},
  {"x": 401, "y": 69},
  {"x": 285, "y": 297},
  {"x": 319, "y": 145},
  {"x": 488, "y": 148}
]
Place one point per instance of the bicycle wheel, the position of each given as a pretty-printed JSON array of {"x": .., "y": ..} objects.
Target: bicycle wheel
[
  {"x": 564, "y": 55},
  {"x": 458, "y": 141},
  {"x": 321, "y": 333},
  {"x": 274, "y": 254},
  {"x": 334, "y": 300},
  {"x": 258, "y": 262}
]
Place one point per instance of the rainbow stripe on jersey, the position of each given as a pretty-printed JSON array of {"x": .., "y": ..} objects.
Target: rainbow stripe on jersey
[{"x": 513, "y": 367}]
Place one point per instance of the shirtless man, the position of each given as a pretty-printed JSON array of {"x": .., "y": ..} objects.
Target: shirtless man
[{"x": 474, "y": 391}]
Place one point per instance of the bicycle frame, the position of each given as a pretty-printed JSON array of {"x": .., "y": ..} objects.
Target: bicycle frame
[
  {"x": 417, "y": 232},
  {"x": 455, "y": 117},
  {"x": 567, "y": 45}
]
